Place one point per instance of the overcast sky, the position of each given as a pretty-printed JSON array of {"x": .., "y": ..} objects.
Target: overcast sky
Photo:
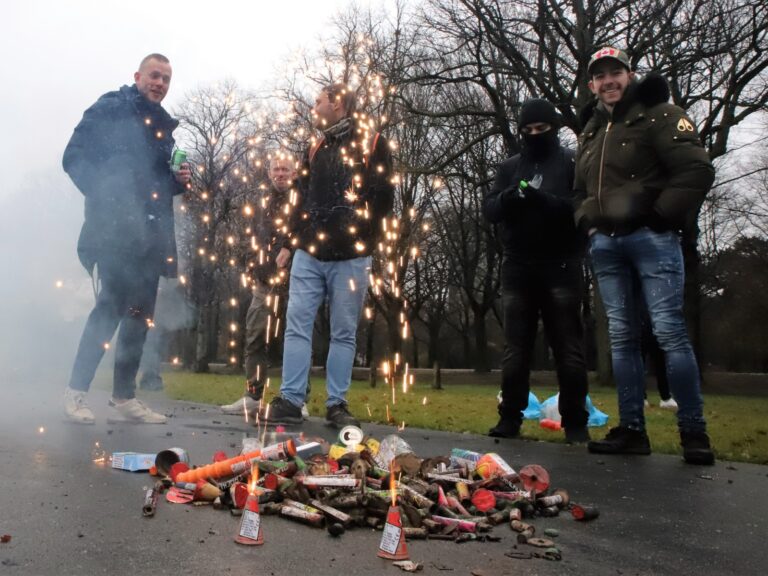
[{"x": 58, "y": 57}]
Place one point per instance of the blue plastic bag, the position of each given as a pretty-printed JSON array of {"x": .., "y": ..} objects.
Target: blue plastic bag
[
  {"x": 533, "y": 410},
  {"x": 548, "y": 409}
]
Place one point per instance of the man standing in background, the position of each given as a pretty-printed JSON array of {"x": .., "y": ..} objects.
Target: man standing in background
[{"x": 268, "y": 254}]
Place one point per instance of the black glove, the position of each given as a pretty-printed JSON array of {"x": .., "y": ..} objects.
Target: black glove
[{"x": 511, "y": 198}]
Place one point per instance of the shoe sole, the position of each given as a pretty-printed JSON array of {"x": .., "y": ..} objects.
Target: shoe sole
[
  {"x": 508, "y": 437},
  {"x": 332, "y": 424},
  {"x": 130, "y": 421},
  {"x": 289, "y": 421},
  {"x": 700, "y": 459},
  {"x": 72, "y": 420},
  {"x": 603, "y": 450},
  {"x": 251, "y": 414}
]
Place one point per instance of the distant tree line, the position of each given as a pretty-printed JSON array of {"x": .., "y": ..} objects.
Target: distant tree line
[{"x": 444, "y": 81}]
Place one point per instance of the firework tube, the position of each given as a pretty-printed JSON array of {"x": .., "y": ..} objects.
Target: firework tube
[
  {"x": 311, "y": 518},
  {"x": 338, "y": 481},
  {"x": 513, "y": 496},
  {"x": 333, "y": 513},
  {"x": 413, "y": 497},
  {"x": 300, "y": 506},
  {"x": 238, "y": 464},
  {"x": 584, "y": 513},
  {"x": 462, "y": 525},
  {"x": 559, "y": 498},
  {"x": 150, "y": 503}
]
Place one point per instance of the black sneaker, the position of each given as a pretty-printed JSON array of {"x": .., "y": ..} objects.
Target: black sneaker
[
  {"x": 696, "y": 448},
  {"x": 506, "y": 428},
  {"x": 577, "y": 435},
  {"x": 622, "y": 440},
  {"x": 281, "y": 411},
  {"x": 338, "y": 416}
]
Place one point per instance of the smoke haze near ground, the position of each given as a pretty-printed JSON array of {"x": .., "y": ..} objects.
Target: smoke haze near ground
[{"x": 59, "y": 57}]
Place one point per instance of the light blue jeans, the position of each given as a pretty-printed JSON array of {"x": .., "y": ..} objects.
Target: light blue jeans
[
  {"x": 313, "y": 280},
  {"x": 652, "y": 261}
]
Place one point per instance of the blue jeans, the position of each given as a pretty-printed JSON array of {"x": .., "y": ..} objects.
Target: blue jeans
[
  {"x": 313, "y": 280},
  {"x": 653, "y": 262}
]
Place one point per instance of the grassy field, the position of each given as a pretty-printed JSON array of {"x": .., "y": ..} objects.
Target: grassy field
[{"x": 737, "y": 424}]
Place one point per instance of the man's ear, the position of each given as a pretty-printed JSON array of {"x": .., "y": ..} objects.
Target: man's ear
[
  {"x": 136, "y": 76},
  {"x": 592, "y": 87}
]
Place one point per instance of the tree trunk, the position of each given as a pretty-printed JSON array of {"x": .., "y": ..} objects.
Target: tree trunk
[
  {"x": 201, "y": 344},
  {"x": 437, "y": 381},
  {"x": 481, "y": 344}
]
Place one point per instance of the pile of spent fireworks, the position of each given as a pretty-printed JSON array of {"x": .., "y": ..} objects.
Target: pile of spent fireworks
[{"x": 361, "y": 482}]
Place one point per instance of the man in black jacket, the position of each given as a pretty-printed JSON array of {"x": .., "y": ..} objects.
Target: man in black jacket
[
  {"x": 119, "y": 158},
  {"x": 345, "y": 190},
  {"x": 531, "y": 201}
]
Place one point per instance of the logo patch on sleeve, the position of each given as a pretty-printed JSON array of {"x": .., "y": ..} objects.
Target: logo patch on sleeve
[{"x": 684, "y": 125}]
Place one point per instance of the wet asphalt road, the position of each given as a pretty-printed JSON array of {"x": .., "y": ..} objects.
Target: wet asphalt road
[{"x": 68, "y": 515}]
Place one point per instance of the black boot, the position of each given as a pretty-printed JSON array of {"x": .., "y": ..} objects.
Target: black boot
[
  {"x": 696, "y": 448},
  {"x": 506, "y": 428},
  {"x": 577, "y": 435},
  {"x": 622, "y": 440}
]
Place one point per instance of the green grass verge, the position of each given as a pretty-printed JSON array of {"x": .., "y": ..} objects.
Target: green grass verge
[{"x": 737, "y": 424}]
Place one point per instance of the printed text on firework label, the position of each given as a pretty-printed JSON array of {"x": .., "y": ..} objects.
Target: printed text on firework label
[
  {"x": 390, "y": 538},
  {"x": 249, "y": 527}
]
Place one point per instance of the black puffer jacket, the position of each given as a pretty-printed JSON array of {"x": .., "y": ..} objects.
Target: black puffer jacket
[
  {"x": 341, "y": 205},
  {"x": 642, "y": 165},
  {"x": 118, "y": 157},
  {"x": 541, "y": 225}
]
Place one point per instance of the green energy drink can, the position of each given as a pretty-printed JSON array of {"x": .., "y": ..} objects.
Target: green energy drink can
[{"x": 178, "y": 158}]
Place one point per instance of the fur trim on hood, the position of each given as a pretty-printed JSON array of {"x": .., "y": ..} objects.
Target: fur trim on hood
[{"x": 651, "y": 90}]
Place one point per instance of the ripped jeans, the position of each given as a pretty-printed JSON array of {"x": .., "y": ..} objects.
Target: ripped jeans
[{"x": 653, "y": 263}]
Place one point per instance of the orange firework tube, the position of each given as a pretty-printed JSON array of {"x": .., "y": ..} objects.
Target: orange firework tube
[{"x": 238, "y": 464}]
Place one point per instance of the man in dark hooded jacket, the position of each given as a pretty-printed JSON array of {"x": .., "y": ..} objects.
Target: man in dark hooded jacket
[
  {"x": 119, "y": 158},
  {"x": 643, "y": 173},
  {"x": 532, "y": 202}
]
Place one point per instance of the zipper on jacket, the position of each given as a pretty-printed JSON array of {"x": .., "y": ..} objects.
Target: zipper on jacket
[{"x": 600, "y": 173}]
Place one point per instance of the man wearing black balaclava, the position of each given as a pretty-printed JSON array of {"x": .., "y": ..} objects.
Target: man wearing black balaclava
[{"x": 542, "y": 274}]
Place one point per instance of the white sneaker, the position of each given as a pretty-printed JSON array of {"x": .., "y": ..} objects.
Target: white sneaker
[
  {"x": 499, "y": 398},
  {"x": 646, "y": 403},
  {"x": 304, "y": 411},
  {"x": 668, "y": 404},
  {"x": 240, "y": 406},
  {"x": 137, "y": 411},
  {"x": 76, "y": 408}
]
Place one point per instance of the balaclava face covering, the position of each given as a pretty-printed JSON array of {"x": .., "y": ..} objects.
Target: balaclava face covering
[{"x": 533, "y": 111}]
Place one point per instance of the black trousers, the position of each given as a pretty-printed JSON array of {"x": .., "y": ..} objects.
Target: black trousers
[
  {"x": 126, "y": 299},
  {"x": 552, "y": 290}
]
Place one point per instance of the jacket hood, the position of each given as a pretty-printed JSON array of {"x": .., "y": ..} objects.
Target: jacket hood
[
  {"x": 651, "y": 90},
  {"x": 143, "y": 106}
]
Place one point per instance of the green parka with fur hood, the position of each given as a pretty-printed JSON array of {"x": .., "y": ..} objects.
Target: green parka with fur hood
[{"x": 643, "y": 165}]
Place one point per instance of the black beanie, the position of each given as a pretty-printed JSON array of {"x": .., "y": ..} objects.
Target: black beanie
[{"x": 538, "y": 110}]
